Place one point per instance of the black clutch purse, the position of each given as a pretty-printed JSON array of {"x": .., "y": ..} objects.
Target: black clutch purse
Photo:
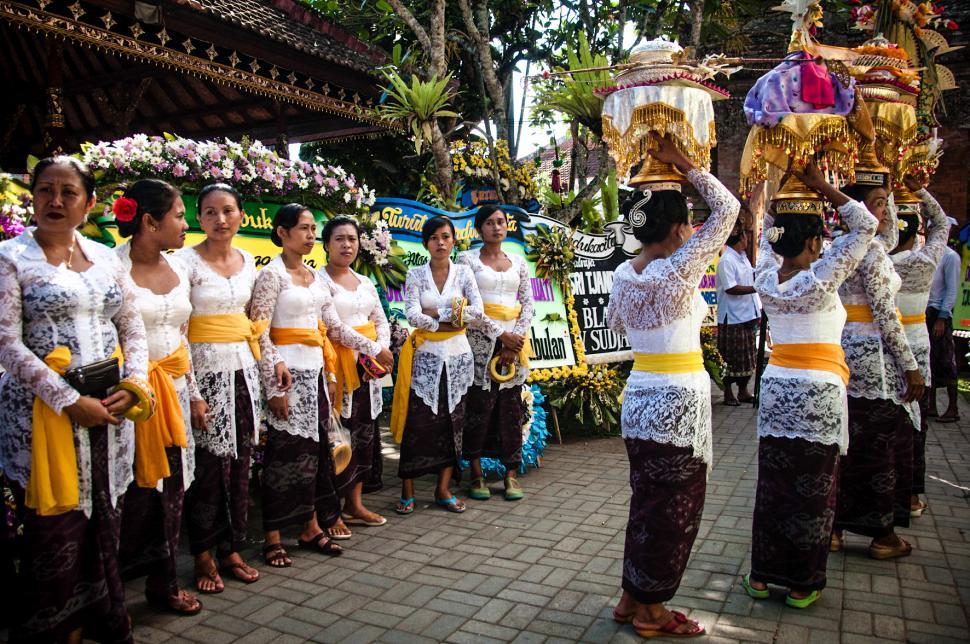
[{"x": 95, "y": 379}]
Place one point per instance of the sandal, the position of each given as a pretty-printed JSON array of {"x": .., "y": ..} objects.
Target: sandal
[
  {"x": 276, "y": 556},
  {"x": 451, "y": 504},
  {"x": 732, "y": 403},
  {"x": 184, "y": 603},
  {"x": 513, "y": 491},
  {"x": 478, "y": 490},
  {"x": 947, "y": 419},
  {"x": 405, "y": 506},
  {"x": 902, "y": 549},
  {"x": 339, "y": 532},
  {"x": 622, "y": 618},
  {"x": 754, "y": 593},
  {"x": 836, "y": 544},
  {"x": 670, "y": 628},
  {"x": 328, "y": 547},
  {"x": 352, "y": 520},
  {"x": 209, "y": 573},
  {"x": 918, "y": 510},
  {"x": 804, "y": 602},
  {"x": 240, "y": 571}
]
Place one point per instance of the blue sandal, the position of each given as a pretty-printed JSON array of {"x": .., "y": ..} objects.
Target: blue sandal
[
  {"x": 405, "y": 506},
  {"x": 452, "y": 504}
]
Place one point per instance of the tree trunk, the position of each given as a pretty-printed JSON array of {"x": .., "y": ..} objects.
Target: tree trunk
[
  {"x": 444, "y": 179},
  {"x": 479, "y": 35},
  {"x": 697, "y": 23}
]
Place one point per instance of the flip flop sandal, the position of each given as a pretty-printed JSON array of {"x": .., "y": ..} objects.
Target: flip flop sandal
[
  {"x": 478, "y": 490},
  {"x": 837, "y": 543},
  {"x": 904, "y": 549},
  {"x": 184, "y": 604},
  {"x": 918, "y": 510},
  {"x": 328, "y": 547},
  {"x": 276, "y": 556},
  {"x": 452, "y": 504},
  {"x": 405, "y": 506},
  {"x": 754, "y": 593},
  {"x": 804, "y": 602},
  {"x": 352, "y": 520},
  {"x": 338, "y": 536},
  {"x": 670, "y": 628},
  {"x": 238, "y": 572},
  {"x": 513, "y": 491},
  {"x": 212, "y": 574},
  {"x": 947, "y": 419},
  {"x": 732, "y": 403},
  {"x": 622, "y": 618}
]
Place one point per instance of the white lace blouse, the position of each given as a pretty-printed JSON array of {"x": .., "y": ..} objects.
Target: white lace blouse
[
  {"x": 877, "y": 352},
  {"x": 91, "y": 313},
  {"x": 508, "y": 287},
  {"x": 660, "y": 311},
  {"x": 806, "y": 403},
  {"x": 356, "y": 308},
  {"x": 916, "y": 268},
  {"x": 166, "y": 319},
  {"x": 215, "y": 363},
  {"x": 453, "y": 355}
]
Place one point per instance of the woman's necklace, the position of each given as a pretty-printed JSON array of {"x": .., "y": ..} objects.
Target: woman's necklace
[
  {"x": 70, "y": 251},
  {"x": 790, "y": 273}
]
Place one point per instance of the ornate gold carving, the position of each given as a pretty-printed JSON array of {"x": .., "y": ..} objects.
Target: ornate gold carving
[
  {"x": 136, "y": 30},
  {"x": 233, "y": 58},
  {"x": 188, "y": 46},
  {"x": 254, "y": 65},
  {"x": 163, "y": 36},
  {"x": 274, "y": 72},
  {"x": 76, "y": 10},
  {"x": 291, "y": 77},
  {"x": 108, "y": 20},
  {"x": 211, "y": 52}
]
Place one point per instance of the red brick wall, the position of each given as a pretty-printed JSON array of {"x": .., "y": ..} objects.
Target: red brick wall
[{"x": 951, "y": 184}]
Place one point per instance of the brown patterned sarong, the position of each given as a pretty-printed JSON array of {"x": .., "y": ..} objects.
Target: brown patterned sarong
[
  {"x": 493, "y": 424},
  {"x": 868, "y": 491},
  {"x": 217, "y": 503},
  {"x": 431, "y": 441},
  {"x": 739, "y": 348},
  {"x": 668, "y": 486},
  {"x": 363, "y": 436},
  {"x": 793, "y": 512},
  {"x": 943, "y": 355},
  {"x": 298, "y": 476},
  {"x": 150, "y": 530},
  {"x": 69, "y": 576},
  {"x": 919, "y": 448}
]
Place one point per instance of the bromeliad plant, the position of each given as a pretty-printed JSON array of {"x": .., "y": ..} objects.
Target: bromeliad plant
[
  {"x": 418, "y": 105},
  {"x": 592, "y": 399}
]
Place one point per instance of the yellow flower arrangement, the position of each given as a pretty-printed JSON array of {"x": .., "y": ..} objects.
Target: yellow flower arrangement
[{"x": 473, "y": 160}]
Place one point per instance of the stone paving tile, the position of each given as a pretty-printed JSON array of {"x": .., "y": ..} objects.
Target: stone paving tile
[{"x": 547, "y": 569}]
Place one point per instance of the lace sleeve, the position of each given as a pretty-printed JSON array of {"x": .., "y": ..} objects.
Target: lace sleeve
[
  {"x": 767, "y": 260},
  {"x": 344, "y": 334},
  {"x": 474, "y": 313},
  {"x": 21, "y": 363},
  {"x": 847, "y": 251},
  {"x": 613, "y": 318},
  {"x": 190, "y": 382},
  {"x": 939, "y": 228},
  {"x": 890, "y": 237},
  {"x": 692, "y": 259},
  {"x": 413, "y": 284},
  {"x": 131, "y": 329},
  {"x": 524, "y": 297},
  {"x": 876, "y": 269},
  {"x": 266, "y": 292}
]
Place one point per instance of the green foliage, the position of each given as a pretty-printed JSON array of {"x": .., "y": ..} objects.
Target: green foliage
[
  {"x": 418, "y": 104},
  {"x": 553, "y": 251},
  {"x": 573, "y": 94},
  {"x": 713, "y": 360}
]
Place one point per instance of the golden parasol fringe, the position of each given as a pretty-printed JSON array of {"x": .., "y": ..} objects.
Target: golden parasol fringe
[
  {"x": 801, "y": 148},
  {"x": 629, "y": 148}
]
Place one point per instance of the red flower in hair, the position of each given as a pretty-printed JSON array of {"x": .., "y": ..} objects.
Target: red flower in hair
[
  {"x": 124, "y": 209},
  {"x": 952, "y": 26}
]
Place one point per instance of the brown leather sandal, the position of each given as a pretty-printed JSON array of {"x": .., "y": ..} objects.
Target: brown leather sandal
[
  {"x": 184, "y": 603},
  {"x": 240, "y": 571},
  {"x": 208, "y": 573},
  {"x": 322, "y": 544},
  {"x": 276, "y": 556}
]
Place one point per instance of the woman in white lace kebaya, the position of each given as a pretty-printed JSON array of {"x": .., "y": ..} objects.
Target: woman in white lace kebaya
[
  {"x": 436, "y": 367},
  {"x": 298, "y": 478},
  {"x": 875, "y": 476},
  {"x": 802, "y": 417},
  {"x": 66, "y": 302},
  {"x": 164, "y": 448},
  {"x": 916, "y": 267},
  {"x": 495, "y": 410},
  {"x": 359, "y": 397},
  {"x": 224, "y": 346},
  {"x": 666, "y": 416}
]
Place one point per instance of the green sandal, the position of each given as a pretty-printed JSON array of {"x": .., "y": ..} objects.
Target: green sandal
[
  {"x": 478, "y": 490},
  {"x": 754, "y": 593},
  {"x": 513, "y": 491},
  {"x": 804, "y": 602}
]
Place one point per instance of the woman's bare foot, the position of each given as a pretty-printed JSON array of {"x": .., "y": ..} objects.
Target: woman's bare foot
[
  {"x": 207, "y": 579},
  {"x": 626, "y": 609}
]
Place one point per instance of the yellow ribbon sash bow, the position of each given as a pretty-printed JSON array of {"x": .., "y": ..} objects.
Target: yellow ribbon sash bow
[
  {"x": 345, "y": 365},
  {"x": 166, "y": 428},
  {"x": 862, "y": 313},
  {"x": 52, "y": 488},
  {"x": 402, "y": 387},
  {"x": 816, "y": 356},
  {"x": 506, "y": 314},
  {"x": 669, "y": 362},
  {"x": 227, "y": 327},
  {"x": 918, "y": 318}
]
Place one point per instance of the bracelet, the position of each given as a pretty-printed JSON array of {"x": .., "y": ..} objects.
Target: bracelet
[
  {"x": 500, "y": 377},
  {"x": 144, "y": 406},
  {"x": 331, "y": 377},
  {"x": 458, "y": 311}
]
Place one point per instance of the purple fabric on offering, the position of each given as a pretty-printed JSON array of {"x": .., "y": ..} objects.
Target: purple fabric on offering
[{"x": 779, "y": 93}]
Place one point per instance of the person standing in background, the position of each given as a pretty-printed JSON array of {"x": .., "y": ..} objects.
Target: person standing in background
[
  {"x": 939, "y": 321},
  {"x": 738, "y": 315}
]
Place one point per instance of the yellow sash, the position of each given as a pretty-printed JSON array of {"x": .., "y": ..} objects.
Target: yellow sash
[
  {"x": 345, "y": 365},
  {"x": 317, "y": 337},
  {"x": 919, "y": 318},
  {"x": 402, "y": 387},
  {"x": 166, "y": 428},
  {"x": 506, "y": 314},
  {"x": 862, "y": 313},
  {"x": 227, "y": 327},
  {"x": 818, "y": 356},
  {"x": 669, "y": 362}
]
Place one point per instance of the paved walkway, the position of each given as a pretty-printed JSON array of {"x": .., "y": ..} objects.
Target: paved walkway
[{"x": 548, "y": 568}]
